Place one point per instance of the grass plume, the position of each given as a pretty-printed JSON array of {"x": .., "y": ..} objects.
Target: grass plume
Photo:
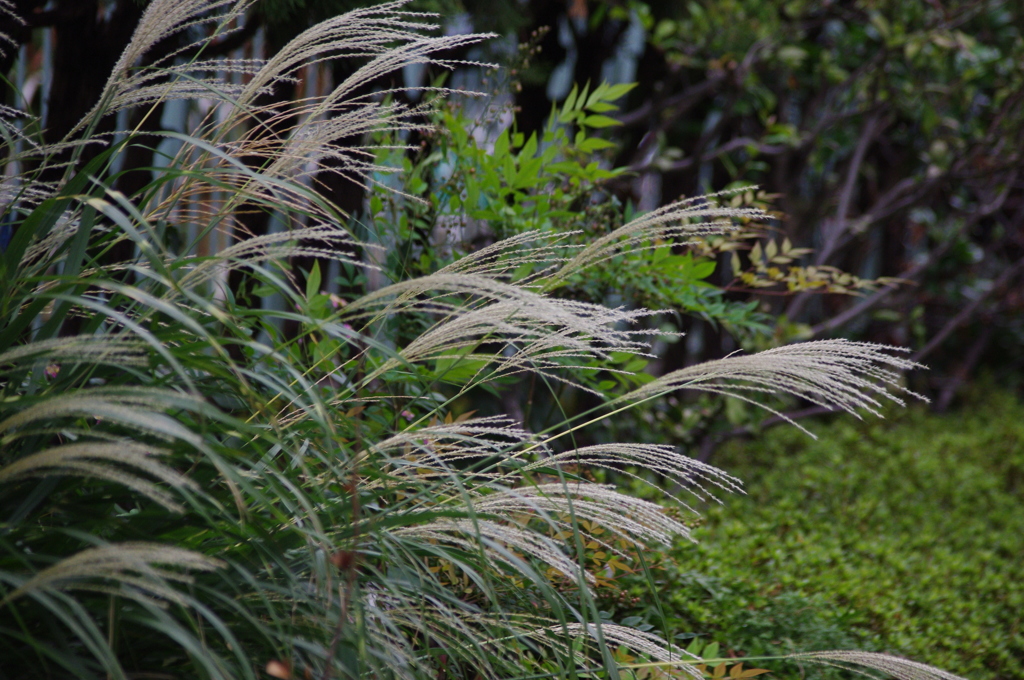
[{"x": 266, "y": 495}]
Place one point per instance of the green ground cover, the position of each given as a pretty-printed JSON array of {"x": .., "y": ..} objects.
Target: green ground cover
[{"x": 904, "y": 535}]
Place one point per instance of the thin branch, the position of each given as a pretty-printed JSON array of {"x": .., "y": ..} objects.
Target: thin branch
[
  {"x": 838, "y": 226},
  {"x": 966, "y": 368},
  {"x": 676, "y": 105},
  {"x": 708, "y": 156},
  {"x": 671, "y": 109},
  {"x": 872, "y": 127},
  {"x": 967, "y": 312},
  {"x": 710, "y": 442},
  {"x": 868, "y": 303},
  {"x": 912, "y": 273}
]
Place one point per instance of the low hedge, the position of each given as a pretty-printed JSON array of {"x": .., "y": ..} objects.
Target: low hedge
[{"x": 903, "y": 535}]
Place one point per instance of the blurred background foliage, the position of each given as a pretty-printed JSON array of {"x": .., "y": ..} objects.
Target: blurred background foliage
[
  {"x": 889, "y": 131},
  {"x": 886, "y": 135}
]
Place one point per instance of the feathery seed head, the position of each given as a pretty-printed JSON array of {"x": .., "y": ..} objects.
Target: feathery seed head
[
  {"x": 132, "y": 564},
  {"x": 832, "y": 373}
]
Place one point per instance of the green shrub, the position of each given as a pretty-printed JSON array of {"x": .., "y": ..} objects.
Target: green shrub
[{"x": 904, "y": 536}]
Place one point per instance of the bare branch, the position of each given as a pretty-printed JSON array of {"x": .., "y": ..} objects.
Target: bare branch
[{"x": 967, "y": 312}]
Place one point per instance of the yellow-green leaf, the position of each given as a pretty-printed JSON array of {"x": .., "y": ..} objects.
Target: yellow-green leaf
[{"x": 599, "y": 121}]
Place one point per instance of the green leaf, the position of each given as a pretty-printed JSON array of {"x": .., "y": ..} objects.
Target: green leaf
[
  {"x": 570, "y": 101},
  {"x": 617, "y": 91},
  {"x": 44, "y": 216},
  {"x": 598, "y": 121},
  {"x": 597, "y": 95},
  {"x": 581, "y": 101},
  {"x": 313, "y": 281},
  {"x": 592, "y": 144},
  {"x": 792, "y": 56},
  {"x": 501, "y": 146},
  {"x": 529, "y": 149},
  {"x": 756, "y": 254},
  {"x": 702, "y": 270}
]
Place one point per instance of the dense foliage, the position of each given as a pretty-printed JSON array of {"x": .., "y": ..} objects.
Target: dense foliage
[
  {"x": 251, "y": 425},
  {"x": 903, "y": 535},
  {"x": 890, "y": 130}
]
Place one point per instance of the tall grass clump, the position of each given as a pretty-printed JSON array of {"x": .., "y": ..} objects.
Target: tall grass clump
[{"x": 194, "y": 485}]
